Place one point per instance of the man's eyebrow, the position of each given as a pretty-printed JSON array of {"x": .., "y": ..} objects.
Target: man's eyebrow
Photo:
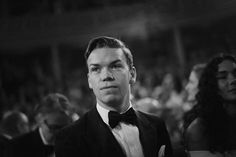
[
  {"x": 93, "y": 64},
  {"x": 115, "y": 61},
  {"x": 97, "y": 64}
]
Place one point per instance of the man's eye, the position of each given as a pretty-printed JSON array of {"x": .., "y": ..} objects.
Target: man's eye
[
  {"x": 94, "y": 69},
  {"x": 115, "y": 66}
]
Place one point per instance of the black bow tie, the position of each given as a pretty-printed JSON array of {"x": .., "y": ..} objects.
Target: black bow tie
[{"x": 128, "y": 117}]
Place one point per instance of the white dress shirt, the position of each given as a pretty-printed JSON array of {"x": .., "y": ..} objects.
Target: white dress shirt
[
  {"x": 127, "y": 135},
  {"x": 45, "y": 142}
]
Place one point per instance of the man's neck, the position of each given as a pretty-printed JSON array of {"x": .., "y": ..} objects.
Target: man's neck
[{"x": 119, "y": 107}]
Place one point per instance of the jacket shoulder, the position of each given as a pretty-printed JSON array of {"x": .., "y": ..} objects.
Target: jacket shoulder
[
  {"x": 75, "y": 128},
  {"x": 151, "y": 118}
]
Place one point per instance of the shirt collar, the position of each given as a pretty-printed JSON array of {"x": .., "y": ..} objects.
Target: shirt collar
[
  {"x": 42, "y": 137},
  {"x": 104, "y": 112},
  {"x": 7, "y": 136}
]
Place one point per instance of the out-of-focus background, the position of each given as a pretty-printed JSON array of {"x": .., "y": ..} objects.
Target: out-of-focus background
[{"x": 42, "y": 44}]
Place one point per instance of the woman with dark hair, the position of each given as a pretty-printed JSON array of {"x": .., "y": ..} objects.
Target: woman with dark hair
[
  {"x": 212, "y": 132},
  {"x": 191, "y": 89},
  {"x": 192, "y": 84}
]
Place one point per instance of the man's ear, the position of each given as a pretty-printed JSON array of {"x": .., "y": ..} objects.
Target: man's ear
[
  {"x": 133, "y": 75},
  {"x": 89, "y": 81}
]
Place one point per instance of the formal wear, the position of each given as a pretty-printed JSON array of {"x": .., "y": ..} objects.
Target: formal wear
[
  {"x": 29, "y": 145},
  {"x": 91, "y": 136},
  {"x": 4, "y": 140},
  {"x": 124, "y": 128}
]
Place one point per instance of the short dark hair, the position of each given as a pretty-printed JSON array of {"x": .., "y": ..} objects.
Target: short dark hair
[{"x": 109, "y": 42}]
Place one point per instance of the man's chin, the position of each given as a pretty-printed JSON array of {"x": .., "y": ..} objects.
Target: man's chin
[{"x": 113, "y": 100}]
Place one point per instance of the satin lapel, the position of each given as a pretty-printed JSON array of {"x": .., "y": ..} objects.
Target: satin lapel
[
  {"x": 101, "y": 136},
  {"x": 148, "y": 136}
]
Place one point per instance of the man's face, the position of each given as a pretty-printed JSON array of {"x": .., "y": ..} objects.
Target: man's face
[
  {"x": 192, "y": 86},
  {"x": 109, "y": 76},
  {"x": 226, "y": 77}
]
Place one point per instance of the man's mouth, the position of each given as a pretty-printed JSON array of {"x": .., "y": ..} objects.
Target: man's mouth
[{"x": 108, "y": 87}]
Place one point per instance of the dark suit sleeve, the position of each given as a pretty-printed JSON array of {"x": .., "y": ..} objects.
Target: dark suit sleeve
[
  {"x": 13, "y": 149},
  {"x": 64, "y": 145},
  {"x": 70, "y": 143},
  {"x": 163, "y": 138}
]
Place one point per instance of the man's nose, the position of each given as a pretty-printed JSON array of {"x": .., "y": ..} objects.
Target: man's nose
[{"x": 107, "y": 75}]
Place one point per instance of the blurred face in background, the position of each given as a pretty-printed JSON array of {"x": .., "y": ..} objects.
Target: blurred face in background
[
  {"x": 51, "y": 123},
  {"x": 23, "y": 125},
  {"x": 226, "y": 78},
  {"x": 192, "y": 86},
  {"x": 109, "y": 77}
]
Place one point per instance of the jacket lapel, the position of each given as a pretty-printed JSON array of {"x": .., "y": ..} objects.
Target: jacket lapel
[
  {"x": 148, "y": 136},
  {"x": 101, "y": 136}
]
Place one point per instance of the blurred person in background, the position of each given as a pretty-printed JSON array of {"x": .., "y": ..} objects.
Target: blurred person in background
[
  {"x": 169, "y": 93},
  {"x": 191, "y": 91},
  {"x": 113, "y": 127},
  {"x": 13, "y": 124},
  {"x": 188, "y": 115},
  {"x": 192, "y": 85},
  {"x": 53, "y": 113},
  {"x": 170, "y": 96},
  {"x": 148, "y": 105},
  {"x": 212, "y": 132}
]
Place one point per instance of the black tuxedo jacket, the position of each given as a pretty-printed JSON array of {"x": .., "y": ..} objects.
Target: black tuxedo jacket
[
  {"x": 3, "y": 144},
  {"x": 91, "y": 137},
  {"x": 28, "y": 145}
]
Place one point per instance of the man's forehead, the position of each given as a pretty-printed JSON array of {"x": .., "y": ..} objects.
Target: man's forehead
[{"x": 105, "y": 55}]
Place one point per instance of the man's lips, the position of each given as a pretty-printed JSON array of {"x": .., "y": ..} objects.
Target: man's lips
[{"x": 108, "y": 87}]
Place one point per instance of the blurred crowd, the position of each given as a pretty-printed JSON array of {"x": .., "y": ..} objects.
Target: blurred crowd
[
  {"x": 160, "y": 90},
  {"x": 159, "y": 86}
]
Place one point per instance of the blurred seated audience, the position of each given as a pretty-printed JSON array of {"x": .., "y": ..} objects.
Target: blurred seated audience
[
  {"x": 192, "y": 85},
  {"x": 53, "y": 113},
  {"x": 13, "y": 124},
  {"x": 212, "y": 132},
  {"x": 148, "y": 105},
  {"x": 169, "y": 93},
  {"x": 192, "y": 88}
]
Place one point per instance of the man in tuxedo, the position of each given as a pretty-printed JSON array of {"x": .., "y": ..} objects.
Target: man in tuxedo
[
  {"x": 113, "y": 127},
  {"x": 53, "y": 113}
]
